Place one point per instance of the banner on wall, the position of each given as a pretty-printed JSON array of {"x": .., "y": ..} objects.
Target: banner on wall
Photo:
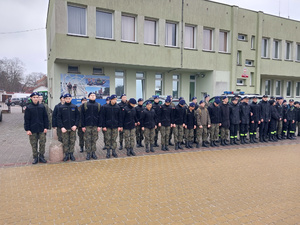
[{"x": 80, "y": 86}]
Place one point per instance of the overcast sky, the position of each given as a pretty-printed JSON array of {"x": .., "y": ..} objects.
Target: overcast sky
[{"x": 30, "y": 47}]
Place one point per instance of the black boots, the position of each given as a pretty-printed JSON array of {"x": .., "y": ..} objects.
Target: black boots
[
  {"x": 108, "y": 154},
  {"x": 232, "y": 141},
  {"x": 190, "y": 143},
  {"x": 88, "y": 156},
  {"x": 94, "y": 155},
  {"x": 147, "y": 148},
  {"x": 236, "y": 141},
  {"x": 155, "y": 144},
  {"x": 132, "y": 152},
  {"x": 72, "y": 156},
  {"x": 198, "y": 144},
  {"x": 67, "y": 157},
  {"x": 176, "y": 146},
  {"x": 114, "y": 154},
  {"x": 128, "y": 151},
  {"x": 179, "y": 146},
  {"x": 81, "y": 149},
  {"x": 151, "y": 148},
  {"x": 187, "y": 144},
  {"x": 204, "y": 144},
  {"x": 42, "y": 159},
  {"x": 163, "y": 148},
  {"x": 35, "y": 160},
  {"x": 223, "y": 142},
  {"x": 121, "y": 145}
]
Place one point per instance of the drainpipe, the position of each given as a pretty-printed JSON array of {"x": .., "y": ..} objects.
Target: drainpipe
[{"x": 181, "y": 58}]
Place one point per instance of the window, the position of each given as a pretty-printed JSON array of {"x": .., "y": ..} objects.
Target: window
[
  {"x": 158, "y": 84},
  {"x": 128, "y": 28},
  {"x": 175, "y": 86},
  {"x": 298, "y": 52},
  {"x": 268, "y": 87},
  {"x": 223, "y": 41},
  {"x": 119, "y": 83},
  {"x": 97, "y": 70},
  {"x": 249, "y": 62},
  {"x": 189, "y": 37},
  {"x": 240, "y": 81},
  {"x": 242, "y": 37},
  {"x": 278, "y": 87},
  {"x": 276, "y": 49},
  {"x": 251, "y": 79},
  {"x": 150, "y": 34},
  {"x": 140, "y": 85},
  {"x": 252, "y": 42},
  {"x": 298, "y": 89},
  {"x": 264, "y": 48},
  {"x": 192, "y": 87},
  {"x": 288, "y": 50},
  {"x": 239, "y": 58},
  {"x": 171, "y": 34},
  {"x": 207, "y": 39},
  {"x": 289, "y": 88},
  {"x": 73, "y": 69},
  {"x": 104, "y": 24},
  {"x": 76, "y": 20}
]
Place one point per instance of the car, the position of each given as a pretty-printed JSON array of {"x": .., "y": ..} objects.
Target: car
[
  {"x": 161, "y": 100},
  {"x": 230, "y": 96},
  {"x": 0, "y": 113},
  {"x": 15, "y": 101}
]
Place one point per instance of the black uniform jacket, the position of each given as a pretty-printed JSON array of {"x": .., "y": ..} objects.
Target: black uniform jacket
[
  {"x": 128, "y": 117},
  {"x": 111, "y": 116},
  {"x": 90, "y": 115},
  {"x": 225, "y": 115},
  {"x": 122, "y": 104},
  {"x": 35, "y": 118},
  {"x": 139, "y": 110},
  {"x": 279, "y": 109},
  {"x": 234, "y": 111},
  {"x": 166, "y": 115},
  {"x": 148, "y": 118},
  {"x": 245, "y": 113},
  {"x": 68, "y": 116},
  {"x": 265, "y": 112},
  {"x": 290, "y": 113},
  {"x": 157, "y": 108},
  {"x": 190, "y": 119},
  {"x": 179, "y": 114},
  {"x": 214, "y": 113},
  {"x": 255, "y": 109},
  {"x": 54, "y": 115},
  {"x": 274, "y": 113}
]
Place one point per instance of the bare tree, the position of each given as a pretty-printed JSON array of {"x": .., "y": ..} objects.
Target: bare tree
[{"x": 31, "y": 79}]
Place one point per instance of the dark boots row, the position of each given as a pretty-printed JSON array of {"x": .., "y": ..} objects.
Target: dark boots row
[
  {"x": 40, "y": 158},
  {"x": 69, "y": 156}
]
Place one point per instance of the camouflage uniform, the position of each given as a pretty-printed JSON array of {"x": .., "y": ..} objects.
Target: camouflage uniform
[
  {"x": 90, "y": 138},
  {"x": 139, "y": 133},
  {"x": 69, "y": 139},
  {"x": 178, "y": 133},
  {"x": 165, "y": 135},
  {"x": 129, "y": 138},
  {"x": 189, "y": 135},
  {"x": 111, "y": 137},
  {"x": 34, "y": 139},
  {"x": 203, "y": 119},
  {"x": 149, "y": 136}
]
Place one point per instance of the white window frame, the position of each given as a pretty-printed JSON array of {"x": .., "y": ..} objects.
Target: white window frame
[
  {"x": 280, "y": 89},
  {"x": 288, "y": 46},
  {"x": 82, "y": 7},
  {"x": 249, "y": 62},
  {"x": 278, "y": 49},
  {"x": 193, "y": 35},
  {"x": 120, "y": 75},
  {"x": 112, "y": 23},
  {"x": 143, "y": 80},
  {"x": 239, "y": 58},
  {"x": 242, "y": 37},
  {"x": 270, "y": 87},
  {"x": 156, "y": 31},
  {"x": 240, "y": 82},
  {"x": 122, "y": 27},
  {"x": 227, "y": 40},
  {"x": 161, "y": 82},
  {"x": 252, "y": 42},
  {"x": 211, "y": 39},
  {"x": 265, "y": 48},
  {"x": 298, "y": 87},
  {"x": 176, "y": 34},
  {"x": 291, "y": 88},
  {"x": 178, "y": 85}
]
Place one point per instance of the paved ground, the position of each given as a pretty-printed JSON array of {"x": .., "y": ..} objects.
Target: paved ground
[{"x": 254, "y": 184}]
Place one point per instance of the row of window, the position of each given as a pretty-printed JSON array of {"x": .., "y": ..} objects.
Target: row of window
[{"x": 278, "y": 85}]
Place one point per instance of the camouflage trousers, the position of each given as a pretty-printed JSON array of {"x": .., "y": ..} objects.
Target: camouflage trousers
[
  {"x": 69, "y": 139},
  {"x": 189, "y": 135},
  {"x": 90, "y": 139},
  {"x": 156, "y": 133},
  {"x": 224, "y": 133},
  {"x": 81, "y": 136},
  {"x": 121, "y": 136},
  {"x": 139, "y": 133},
  {"x": 111, "y": 137},
  {"x": 129, "y": 138},
  {"x": 35, "y": 139},
  {"x": 59, "y": 134},
  {"x": 149, "y": 136},
  {"x": 202, "y": 134},
  {"x": 178, "y": 133},
  {"x": 214, "y": 132},
  {"x": 279, "y": 127},
  {"x": 105, "y": 138},
  {"x": 165, "y": 135}
]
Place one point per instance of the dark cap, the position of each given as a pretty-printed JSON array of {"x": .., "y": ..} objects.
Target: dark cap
[
  {"x": 132, "y": 101},
  {"x": 113, "y": 96},
  {"x": 84, "y": 98},
  {"x": 192, "y": 104},
  {"x": 34, "y": 93},
  {"x": 67, "y": 95},
  {"x": 265, "y": 96}
]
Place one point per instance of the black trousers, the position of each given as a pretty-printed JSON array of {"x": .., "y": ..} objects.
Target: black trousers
[
  {"x": 244, "y": 129},
  {"x": 263, "y": 129},
  {"x": 273, "y": 126},
  {"x": 233, "y": 130},
  {"x": 253, "y": 128},
  {"x": 291, "y": 127}
]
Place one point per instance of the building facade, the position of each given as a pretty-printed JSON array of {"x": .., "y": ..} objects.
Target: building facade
[{"x": 179, "y": 47}]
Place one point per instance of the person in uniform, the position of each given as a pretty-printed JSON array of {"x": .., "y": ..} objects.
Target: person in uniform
[
  {"x": 234, "y": 114},
  {"x": 91, "y": 125},
  {"x": 79, "y": 130},
  {"x": 112, "y": 124},
  {"x": 165, "y": 123},
  {"x": 245, "y": 115},
  {"x": 129, "y": 122},
  {"x": 203, "y": 123},
  {"x": 254, "y": 119},
  {"x": 195, "y": 101},
  {"x": 139, "y": 132},
  {"x": 279, "y": 108},
  {"x": 179, "y": 117},
  {"x": 172, "y": 128},
  {"x": 273, "y": 122},
  {"x": 148, "y": 122},
  {"x": 297, "y": 107},
  {"x": 290, "y": 119},
  {"x": 122, "y": 104},
  {"x": 68, "y": 120},
  {"x": 104, "y": 132},
  {"x": 284, "y": 124},
  {"x": 225, "y": 120},
  {"x": 36, "y": 124},
  {"x": 48, "y": 110},
  {"x": 54, "y": 118},
  {"x": 190, "y": 125},
  {"x": 206, "y": 100},
  {"x": 157, "y": 107},
  {"x": 265, "y": 117},
  {"x": 215, "y": 118}
]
